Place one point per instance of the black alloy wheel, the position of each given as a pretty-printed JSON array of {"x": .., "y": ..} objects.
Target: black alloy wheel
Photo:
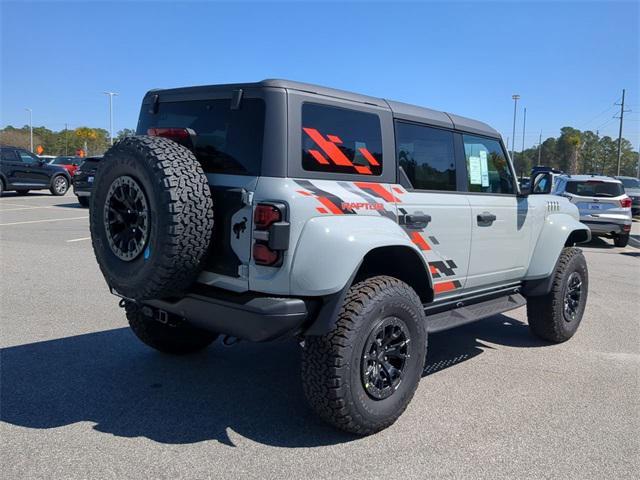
[{"x": 126, "y": 218}]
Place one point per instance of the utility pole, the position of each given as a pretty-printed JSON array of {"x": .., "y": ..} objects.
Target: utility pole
[
  {"x": 539, "y": 148},
  {"x": 30, "y": 128},
  {"x": 111, "y": 95},
  {"x": 621, "y": 117},
  {"x": 513, "y": 138}
]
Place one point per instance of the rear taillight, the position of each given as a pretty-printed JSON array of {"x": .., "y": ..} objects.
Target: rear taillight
[
  {"x": 265, "y": 215},
  {"x": 172, "y": 133},
  {"x": 271, "y": 233},
  {"x": 625, "y": 202}
]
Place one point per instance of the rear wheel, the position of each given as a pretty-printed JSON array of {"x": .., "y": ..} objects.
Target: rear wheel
[
  {"x": 22, "y": 192},
  {"x": 556, "y": 316},
  {"x": 621, "y": 240},
  {"x": 361, "y": 376},
  {"x": 175, "y": 336},
  {"x": 59, "y": 185}
]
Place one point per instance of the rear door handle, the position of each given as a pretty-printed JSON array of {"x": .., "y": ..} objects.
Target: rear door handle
[
  {"x": 417, "y": 220},
  {"x": 486, "y": 218}
]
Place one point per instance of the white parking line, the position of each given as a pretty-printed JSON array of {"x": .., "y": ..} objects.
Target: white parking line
[
  {"x": 22, "y": 207},
  {"x": 78, "y": 239},
  {"x": 42, "y": 221}
]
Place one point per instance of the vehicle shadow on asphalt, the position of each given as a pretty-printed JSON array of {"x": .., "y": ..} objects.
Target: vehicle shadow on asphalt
[
  {"x": 129, "y": 390},
  {"x": 599, "y": 242}
]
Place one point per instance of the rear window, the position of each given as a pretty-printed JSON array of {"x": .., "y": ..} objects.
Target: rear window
[
  {"x": 630, "y": 182},
  {"x": 339, "y": 140},
  {"x": 595, "y": 188},
  {"x": 225, "y": 141}
]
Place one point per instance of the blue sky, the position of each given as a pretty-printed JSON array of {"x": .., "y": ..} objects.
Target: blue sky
[{"x": 568, "y": 60}]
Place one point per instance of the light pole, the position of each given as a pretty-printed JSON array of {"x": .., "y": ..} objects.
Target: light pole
[
  {"x": 30, "y": 128},
  {"x": 513, "y": 138},
  {"x": 111, "y": 95}
]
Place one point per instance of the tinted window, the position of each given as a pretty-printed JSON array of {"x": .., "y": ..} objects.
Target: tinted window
[
  {"x": 595, "y": 188},
  {"x": 339, "y": 140},
  {"x": 426, "y": 156},
  {"x": 27, "y": 157},
  {"x": 630, "y": 182},
  {"x": 225, "y": 140},
  {"x": 487, "y": 166},
  {"x": 8, "y": 155}
]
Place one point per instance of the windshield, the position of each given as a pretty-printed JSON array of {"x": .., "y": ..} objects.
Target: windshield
[
  {"x": 630, "y": 182},
  {"x": 225, "y": 140},
  {"x": 595, "y": 188}
]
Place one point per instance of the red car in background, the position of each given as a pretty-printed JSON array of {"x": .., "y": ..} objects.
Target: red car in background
[{"x": 70, "y": 164}]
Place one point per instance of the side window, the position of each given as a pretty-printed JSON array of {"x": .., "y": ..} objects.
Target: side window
[
  {"x": 487, "y": 166},
  {"x": 426, "y": 155},
  {"x": 8, "y": 155},
  {"x": 27, "y": 157},
  {"x": 339, "y": 140}
]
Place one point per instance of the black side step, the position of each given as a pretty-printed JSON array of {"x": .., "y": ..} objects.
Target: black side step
[{"x": 462, "y": 315}]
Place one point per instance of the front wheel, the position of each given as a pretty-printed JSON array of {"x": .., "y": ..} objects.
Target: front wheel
[
  {"x": 556, "y": 316},
  {"x": 59, "y": 186},
  {"x": 621, "y": 240},
  {"x": 177, "y": 338},
  {"x": 361, "y": 376}
]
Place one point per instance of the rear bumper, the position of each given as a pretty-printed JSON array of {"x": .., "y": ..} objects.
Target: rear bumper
[
  {"x": 255, "y": 318},
  {"x": 607, "y": 227}
]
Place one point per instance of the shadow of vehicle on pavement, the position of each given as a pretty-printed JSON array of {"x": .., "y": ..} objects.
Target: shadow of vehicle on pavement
[{"x": 129, "y": 390}]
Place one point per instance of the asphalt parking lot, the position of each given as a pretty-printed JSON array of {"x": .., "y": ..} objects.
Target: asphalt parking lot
[{"x": 81, "y": 397}]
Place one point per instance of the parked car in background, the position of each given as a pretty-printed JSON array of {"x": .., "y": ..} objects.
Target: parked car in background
[
  {"x": 604, "y": 206},
  {"x": 47, "y": 158},
  {"x": 632, "y": 188},
  {"x": 83, "y": 179},
  {"x": 70, "y": 164},
  {"x": 22, "y": 171}
]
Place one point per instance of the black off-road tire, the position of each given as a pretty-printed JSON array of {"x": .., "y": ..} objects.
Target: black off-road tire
[
  {"x": 180, "y": 220},
  {"x": 22, "y": 192},
  {"x": 621, "y": 240},
  {"x": 58, "y": 192},
  {"x": 332, "y": 364},
  {"x": 546, "y": 313},
  {"x": 175, "y": 338},
  {"x": 83, "y": 201}
]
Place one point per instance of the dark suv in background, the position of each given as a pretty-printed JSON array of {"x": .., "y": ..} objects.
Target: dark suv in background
[
  {"x": 83, "y": 179},
  {"x": 22, "y": 171}
]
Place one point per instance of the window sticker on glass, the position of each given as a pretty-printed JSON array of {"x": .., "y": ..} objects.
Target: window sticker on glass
[
  {"x": 475, "y": 171},
  {"x": 484, "y": 170}
]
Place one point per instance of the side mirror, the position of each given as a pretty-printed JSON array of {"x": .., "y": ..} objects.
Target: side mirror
[{"x": 541, "y": 183}]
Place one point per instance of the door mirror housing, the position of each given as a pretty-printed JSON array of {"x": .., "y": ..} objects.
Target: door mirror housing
[{"x": 541, "y": 183}]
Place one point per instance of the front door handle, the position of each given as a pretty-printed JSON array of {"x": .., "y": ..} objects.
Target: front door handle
[
  {"x": 486, "y": 218},
  {"x": 417, "y": 220}
]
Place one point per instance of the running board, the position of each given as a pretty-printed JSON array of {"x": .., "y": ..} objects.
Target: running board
[{"x": 464, "y": 314}]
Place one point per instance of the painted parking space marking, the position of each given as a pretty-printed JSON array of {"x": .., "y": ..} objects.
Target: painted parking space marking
[
  {"x": 78, "y": 239},
  {"x": 42, "y": 221}
]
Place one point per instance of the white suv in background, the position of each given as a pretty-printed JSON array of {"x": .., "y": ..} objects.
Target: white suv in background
[{"x": 604, "y": 206}]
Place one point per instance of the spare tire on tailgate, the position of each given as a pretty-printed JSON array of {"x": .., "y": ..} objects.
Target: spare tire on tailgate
[{"x": 151, "y": 217}]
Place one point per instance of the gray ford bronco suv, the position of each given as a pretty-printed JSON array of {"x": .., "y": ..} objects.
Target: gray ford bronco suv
[{"x": 358, "y": 225}]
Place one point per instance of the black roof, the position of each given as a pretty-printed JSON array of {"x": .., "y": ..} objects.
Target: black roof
[{"x": 400, "y": 110}]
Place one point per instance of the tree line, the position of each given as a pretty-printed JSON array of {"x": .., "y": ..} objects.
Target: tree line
[
  {"x": 578, "y": 152},
  {"x": 93, "y": 141}
]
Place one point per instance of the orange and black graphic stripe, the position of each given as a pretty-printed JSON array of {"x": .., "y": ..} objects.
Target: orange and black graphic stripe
[
  {"x": 446, "y": 268},
  {"x": 442, "y": 287},
  {"x": 330, "y": 203}
]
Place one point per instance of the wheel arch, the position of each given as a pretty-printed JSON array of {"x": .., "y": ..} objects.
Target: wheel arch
[{"x": 398, "y": 261}]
